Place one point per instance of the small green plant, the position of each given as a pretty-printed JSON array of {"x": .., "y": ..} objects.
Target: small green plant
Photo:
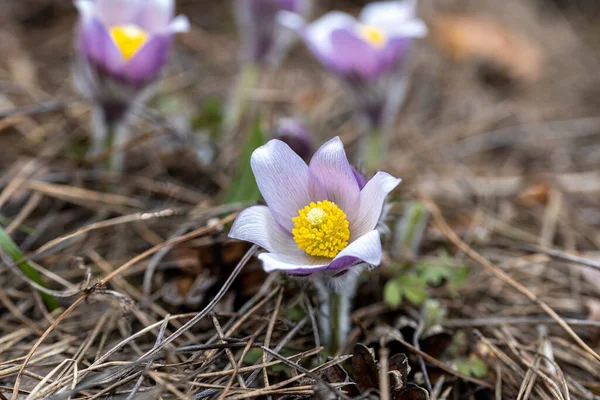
[
  {"x": 412, "y": 284},
  {"x": 472, "y": 367},
  {"x": 243, "y": 186},
  {"x": 15, "y": 253}
]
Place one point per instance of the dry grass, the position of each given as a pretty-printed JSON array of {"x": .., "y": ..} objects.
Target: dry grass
[{"x": 508, "y": 170}]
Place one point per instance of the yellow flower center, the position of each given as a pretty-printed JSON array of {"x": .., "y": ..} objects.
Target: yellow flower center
[
  {"x": 375, "y": 36},
  {"x": 128, "y": 38},
  {"x": 321, "y": 229}
]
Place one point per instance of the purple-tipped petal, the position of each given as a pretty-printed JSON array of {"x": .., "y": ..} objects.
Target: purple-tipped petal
[
  {"x": 284, "y": 181},
  {"x": 372, "y": 198},
  {"x": 117, "y": 12},
  {"x": 257, "y": 225},
  {"x": 295, "y": 265},
  {"x": 146, "y": 64},
  {"x": 394, "y": 53},
  {"x": 95, "y": 42},
  {"x": 331, "y": 167},
  {"x": 366, "y": 248}
]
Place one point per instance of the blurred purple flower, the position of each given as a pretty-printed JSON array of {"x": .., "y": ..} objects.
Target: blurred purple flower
[
  {"x": 317, "y": 217},
  {"x": 294, "y": 134},
  {"x": 122, "y": 45},
  {"x": 263, "y": 39},
  {"x": 368, "y": 54}
]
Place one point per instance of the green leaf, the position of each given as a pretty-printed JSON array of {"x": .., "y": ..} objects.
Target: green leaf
[
  {"x": 472, "y": 367},
  {"x": 433, "y": 313},
  {"x": 295, "y": 313},
  {"x": 410, "y": 287},
  {"x": 15, "y": 253},
  {"x": 253, "y": 356},
  {"x": 392, "y": 293},
  {"x": 243, "y": 186},
  {"x": 209, "y": 117}
]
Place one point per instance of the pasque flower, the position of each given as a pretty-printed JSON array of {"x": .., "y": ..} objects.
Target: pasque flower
[
  {"x": 318, "y": 217},
  {"x": 122, "y": 45},
  {"x": 368, "y": 54},
  {"x": 263, "y": 39}
]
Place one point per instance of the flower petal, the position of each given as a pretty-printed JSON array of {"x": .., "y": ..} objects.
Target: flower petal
[
  {"x": 146, "y": 64},
  {"x": 296, "y": 265},
  {"x": 354, "y": 56},
  {"x": 181, "y": 23},
  {"x": 86, "y": 8},
  {"x": 95, "y": 42},
  {"x": 117, "y": 12},
  {"x": 366, "y": 248},
  {"x": 257, "y": 225},
  {"x": 318, "y": 34},
  {"x": 284, "y": 181},
  {"x": 331, "y": 167},
  {"x": 360, "y": 179},
  {"x": 371, "y": 203},
  {"x": 388, "y": 13},
  {"x": 154, "y": 16}
]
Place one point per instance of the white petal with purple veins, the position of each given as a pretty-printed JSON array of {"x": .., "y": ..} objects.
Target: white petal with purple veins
[
  {"x": 284, "y": 180},
  {"x": 257, "y": 225},
  {"x": 372, "y": 198},
  {"x": 331, "y": 167}
]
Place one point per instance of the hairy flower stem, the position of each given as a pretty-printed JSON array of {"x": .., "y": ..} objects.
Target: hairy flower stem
[
  {"x": 335, "y": 296},
  {"x": 247, "y": 80},
  {"x": 110, "y": 129}
]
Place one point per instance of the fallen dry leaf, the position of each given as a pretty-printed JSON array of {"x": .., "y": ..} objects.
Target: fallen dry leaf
[{"x": 473, "y": 38}]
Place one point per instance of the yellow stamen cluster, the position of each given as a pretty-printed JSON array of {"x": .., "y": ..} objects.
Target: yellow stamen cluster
[
  {"x": 375, "y": 36},
  {"x": 321, "y": 229},
  {"x": 129, "y": 39}
]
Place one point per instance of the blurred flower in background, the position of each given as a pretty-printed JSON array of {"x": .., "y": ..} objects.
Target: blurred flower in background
[
  {"x": 368, "y": 54},
  {"x": 293, "y": 133},
  {"x": 122, "y": 45},
  {"x": 263, "y": 40}
]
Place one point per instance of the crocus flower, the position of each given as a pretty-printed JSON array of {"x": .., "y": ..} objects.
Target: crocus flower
[
  {"x": 263, "y": 40},
  {"x": 293, "y": 133},
  {"x": 122, "y": 45},
  {"x": 317, "y": 217},
  {"x": 368, "y": 54}
]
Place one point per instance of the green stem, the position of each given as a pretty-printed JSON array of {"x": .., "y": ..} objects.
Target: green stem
[
  {"x": 247, "y": 80},
  {"x": 335, "y": 295},
  {"x": 15, "y": 253},
  {"x": 337, "y": 337},
  {"x": 373, "y": 150}
]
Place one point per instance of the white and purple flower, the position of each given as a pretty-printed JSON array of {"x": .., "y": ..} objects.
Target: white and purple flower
[
  {"x": 369, "y": 53},
  {"x": 263, "y": 40},
  {"x": 319, "y": 217},
  {"x": 127, "y": 40}
]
